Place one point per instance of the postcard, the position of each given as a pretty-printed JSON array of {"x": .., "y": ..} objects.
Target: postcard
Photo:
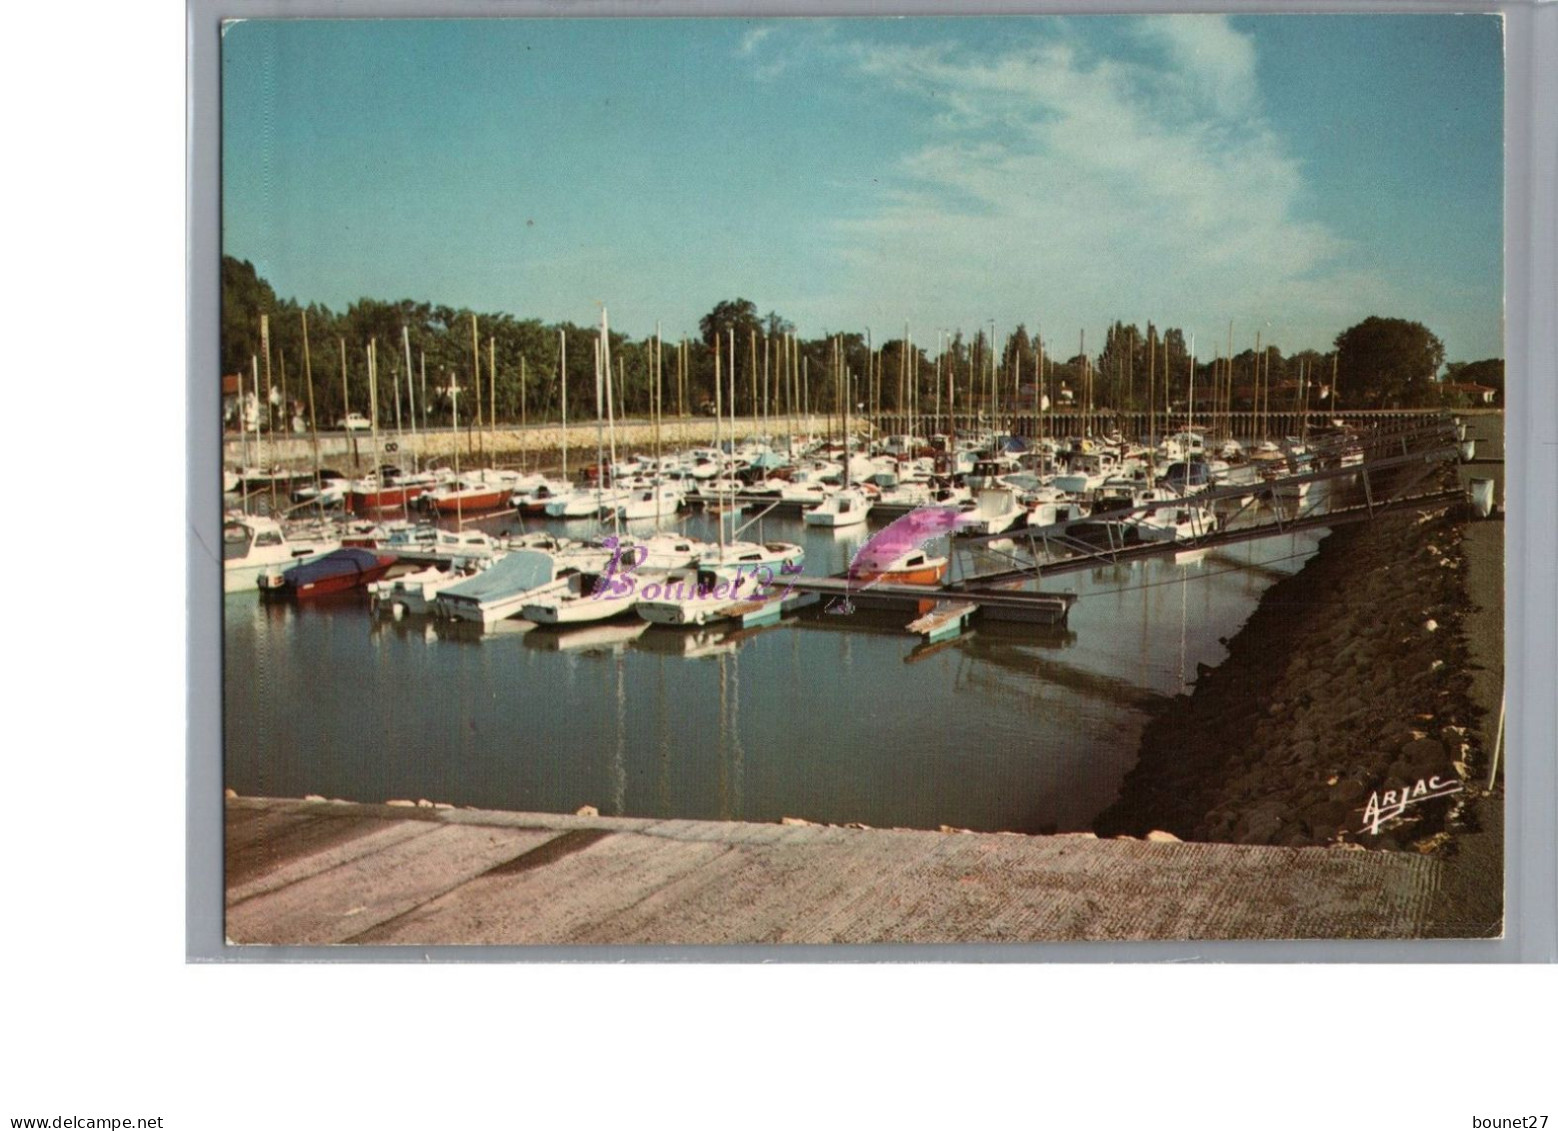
[{"x": 931, "y": 480}]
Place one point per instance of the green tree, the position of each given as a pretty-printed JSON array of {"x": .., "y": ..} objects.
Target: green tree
[
  {"x": 1387, "y": 362},
  {"x": 245, "y": 296},
  {"x": 739, "y": 315}
]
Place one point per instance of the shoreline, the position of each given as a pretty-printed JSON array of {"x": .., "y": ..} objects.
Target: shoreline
[{"x": 1376, "y": 667}]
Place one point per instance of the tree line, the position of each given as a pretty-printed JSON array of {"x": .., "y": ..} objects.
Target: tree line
[{"x": 1380, "y": 362}]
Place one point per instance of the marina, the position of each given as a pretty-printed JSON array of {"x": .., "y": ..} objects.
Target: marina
[{"x": 1004, "y": 691}]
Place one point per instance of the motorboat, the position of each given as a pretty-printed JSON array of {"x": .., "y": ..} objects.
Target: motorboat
[
  {"x": 1186, "y": 477},
  {"x": 651, "y": 502},
  {"x": 350, "y": 567},
  {"x": 256, "y": 479},
  {"x": 692, "y": 598},
  {"x": 534, "y": 499},
  {"x": 328, "y": 490},
  {"x": 1179, "y": 521},
  {"x": 994, "y": 510},
  {"x": 587, "y": 597},
  {"x": 503, "y": 590},
  {"x": 413, "y": 594},
  {"x": 252, "y": 544},
  {"x": 847, "y": 507},
  {"x": 586, "y": 502},
  {"x": 807, "y": 493},
  {"x": 1086, "y": 472},
  {"x": 914, "y": 566}
]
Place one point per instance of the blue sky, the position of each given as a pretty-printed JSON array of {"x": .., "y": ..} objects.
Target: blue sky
[{"x": 1291, "y": 174}]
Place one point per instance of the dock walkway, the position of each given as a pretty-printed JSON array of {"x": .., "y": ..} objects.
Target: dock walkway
[{"x": 323, "y": 872}]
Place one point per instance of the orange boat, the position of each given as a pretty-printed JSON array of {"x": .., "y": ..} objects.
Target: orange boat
[
  {"x": 910, "y": 567},
  {"x": 471, "y": 499}
]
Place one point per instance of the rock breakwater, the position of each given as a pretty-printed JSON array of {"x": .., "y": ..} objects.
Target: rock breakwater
[{"x": 1350, "y": 681}]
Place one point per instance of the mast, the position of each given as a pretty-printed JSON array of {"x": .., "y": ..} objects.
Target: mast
[
  {"x": 475, "y": 376},
  {"x": 1303, "y": 419},
  {"x": 600, "y": 426},
  {"x": 562, "y": 380},
  {"x": 611, "y": 423},
  {"x": 995, "y": 389},
  {"x": 373, "y": 418},
  {"x": 286, "y": 401},
  {"x": 308, "y": 378},
  {"x": 719, "y": 518},
  {"x": 265, "y": 349},
  {"x": 259, "y": 458},
  {"x": 492, "y": 399},
  {"x": 952, "y": 416},
  {"x": 243, "y": 419},
  {"x": 1190, "y": 421},
  {"x": 806, "y": 391},
  {"x": 411, "y": 394},
  {"x": 1152, "y": 400},
  {"x": 399, "y": 439},
  {"x": 841, "y": 382},
  {"x": 940, "y": 349},
  {"x": 654, "y": 369},
  {"x": 346, "y": 407}
]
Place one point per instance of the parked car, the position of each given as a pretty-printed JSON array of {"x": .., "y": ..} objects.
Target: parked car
[{"x": 354, "y": 422}]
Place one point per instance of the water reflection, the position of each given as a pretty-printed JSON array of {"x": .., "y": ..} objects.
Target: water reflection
[{"x": 833, "y": 718}]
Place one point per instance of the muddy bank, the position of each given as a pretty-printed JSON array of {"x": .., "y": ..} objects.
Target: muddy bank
[{"x": 1351, "y": 679}]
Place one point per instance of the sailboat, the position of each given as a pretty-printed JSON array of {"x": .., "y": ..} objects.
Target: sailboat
[{"x": 847, "y": 506}]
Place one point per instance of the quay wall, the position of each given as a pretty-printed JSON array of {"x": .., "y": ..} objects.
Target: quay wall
[{"x": 510, "y": 444}]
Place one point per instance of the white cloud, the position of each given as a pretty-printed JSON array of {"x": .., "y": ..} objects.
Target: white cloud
[
  {"x": 750, "y": 41},
  {"x": 1063, "y": 183}
]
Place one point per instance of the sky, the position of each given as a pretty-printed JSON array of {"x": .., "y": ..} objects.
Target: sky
[{"x": 1286, "y": 174}]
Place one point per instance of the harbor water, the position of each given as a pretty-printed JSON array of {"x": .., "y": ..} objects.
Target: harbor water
[{"x": 833, "y": 718}]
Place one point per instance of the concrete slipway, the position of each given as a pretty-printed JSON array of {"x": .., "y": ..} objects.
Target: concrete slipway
[{"x": 322, "y": 872}]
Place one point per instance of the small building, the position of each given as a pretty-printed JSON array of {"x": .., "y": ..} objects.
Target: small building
[{"x": 1475, "y": 394}]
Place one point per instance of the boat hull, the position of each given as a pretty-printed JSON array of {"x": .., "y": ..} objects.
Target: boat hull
[
  {"x": 471, "y": 501},
  {"x": 347, "y": 578},
  {"x": 359, "y": 502},
  {"x": 930, "y": 574},
  {"x": 579, "y": 610}
]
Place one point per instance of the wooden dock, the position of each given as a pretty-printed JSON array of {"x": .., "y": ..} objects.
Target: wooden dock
[
  {"x": 321, "y": 872},
  {"x": 992, "y": 602},
  {"x": 943, "y": 622}
]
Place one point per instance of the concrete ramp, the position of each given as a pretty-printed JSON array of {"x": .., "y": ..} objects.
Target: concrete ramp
[{"x": 301, "y": 872}]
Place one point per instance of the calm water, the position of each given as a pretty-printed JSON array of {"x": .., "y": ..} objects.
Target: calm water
[{"x": 831, "y": 718}]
